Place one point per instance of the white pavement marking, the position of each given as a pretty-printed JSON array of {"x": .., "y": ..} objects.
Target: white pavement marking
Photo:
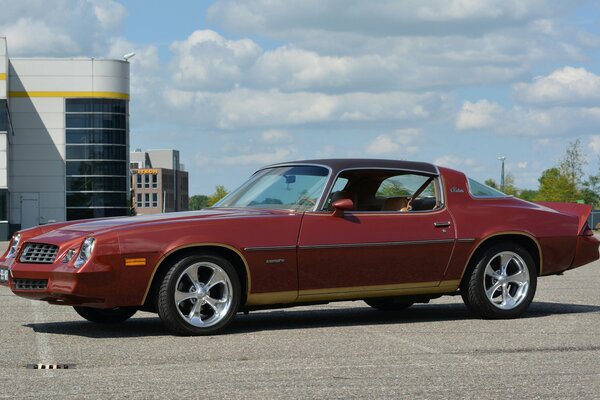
[{"x": 41, "y": 339}]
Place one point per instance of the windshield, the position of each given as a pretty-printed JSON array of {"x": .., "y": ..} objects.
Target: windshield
[{"x": 287, "y": 188}]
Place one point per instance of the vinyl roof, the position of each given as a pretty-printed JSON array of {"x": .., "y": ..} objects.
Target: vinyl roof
[{"x": 338, "y": 164}]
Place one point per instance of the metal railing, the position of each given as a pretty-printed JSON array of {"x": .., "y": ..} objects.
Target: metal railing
[{"x": 594, "y": 219}]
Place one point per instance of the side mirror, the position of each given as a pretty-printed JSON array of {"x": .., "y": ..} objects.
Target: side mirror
[{"x": 341, "y": 205}]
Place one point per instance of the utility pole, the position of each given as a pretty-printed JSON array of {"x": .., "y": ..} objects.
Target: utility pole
[{"x": 502, "y": 174}]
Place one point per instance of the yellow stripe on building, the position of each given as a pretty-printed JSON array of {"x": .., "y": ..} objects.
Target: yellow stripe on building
[
  {"x": 108, "y": 95},
  {"x": 2, "y": 76}
]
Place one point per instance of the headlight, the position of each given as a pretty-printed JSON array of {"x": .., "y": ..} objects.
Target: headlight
[
  {"x": 14, "y": 246},
  {"x": 85, "y": 253}
]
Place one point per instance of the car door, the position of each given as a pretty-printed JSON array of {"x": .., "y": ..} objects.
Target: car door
[{"x": 373, "y": 251}]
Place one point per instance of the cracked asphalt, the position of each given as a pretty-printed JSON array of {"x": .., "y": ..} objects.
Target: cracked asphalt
[{"x": 339, "y": 350}]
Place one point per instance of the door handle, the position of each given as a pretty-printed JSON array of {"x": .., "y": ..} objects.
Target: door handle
[{"x": 444, "y": 224}]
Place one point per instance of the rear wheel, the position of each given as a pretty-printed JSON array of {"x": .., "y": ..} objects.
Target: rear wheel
[
  {"x": 106, "y": 315},
  {"x": 200, "y": 295},
  {"x": 502, "y": 282},
  {"x": 389, "y": 303}
]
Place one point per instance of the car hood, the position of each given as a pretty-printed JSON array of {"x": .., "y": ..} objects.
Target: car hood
[
  {"x": 186, "y": 216},
  {"x": 97, "y": 226}
]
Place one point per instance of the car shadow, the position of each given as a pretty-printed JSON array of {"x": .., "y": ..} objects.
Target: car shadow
[{"x": 290, "y": 319}]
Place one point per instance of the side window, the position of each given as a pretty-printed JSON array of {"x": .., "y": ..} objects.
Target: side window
[
  {"x": 336, "y": 191},
  {"x": 407, "y": 192},
  {"x": 406, "y": 185},
  {"x": 385, "y": 190},
  {"x": 480, "y": 190}
]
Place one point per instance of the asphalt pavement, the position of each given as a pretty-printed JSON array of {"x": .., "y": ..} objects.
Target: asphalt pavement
[{"x": 339, "y": 350}]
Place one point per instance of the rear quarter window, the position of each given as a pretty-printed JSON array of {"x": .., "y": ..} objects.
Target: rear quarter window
[{"x": 478, "y": 189}]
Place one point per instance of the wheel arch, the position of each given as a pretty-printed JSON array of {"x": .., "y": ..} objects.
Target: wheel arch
[
  {"x": 163, "y": 265},
  {"x": 528, "y": 241}
]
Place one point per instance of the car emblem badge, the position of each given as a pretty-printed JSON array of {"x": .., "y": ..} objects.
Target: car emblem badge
[
  {"x": 275, "y": 261},
  {"x": 456, "y": 190}
]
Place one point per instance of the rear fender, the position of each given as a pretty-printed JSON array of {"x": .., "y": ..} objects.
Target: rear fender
[
  {"x": 581, "y": 211},
  {"x": 587, "y": 244}
]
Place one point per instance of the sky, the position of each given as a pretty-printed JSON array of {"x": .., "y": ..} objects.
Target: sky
[{"x": 238, "y": 84}]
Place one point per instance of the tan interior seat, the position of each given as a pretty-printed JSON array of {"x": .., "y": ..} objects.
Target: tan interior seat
[{"x": 395, "y": 204}]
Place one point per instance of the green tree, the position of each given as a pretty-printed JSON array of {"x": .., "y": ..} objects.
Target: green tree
[
  {"x": 555, "y": 186},
  {"x": 219, "y": 193},
  {"x": 527, "y": 194},
  {"x": 491, "y": 183},
  {"x": 509, "y": 185},
  {"x": 198, "y": 202},
  {"x": 573, "y": 163}
]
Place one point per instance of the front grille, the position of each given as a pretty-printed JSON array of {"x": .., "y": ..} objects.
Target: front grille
[
  {"x": 39, "y": 253},
  {"x": 30, "y": 284}
]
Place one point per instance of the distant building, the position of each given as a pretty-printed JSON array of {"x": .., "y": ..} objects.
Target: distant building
[
  {"x": 64, "y": 140},
  {"x": 158, "y": 181}
]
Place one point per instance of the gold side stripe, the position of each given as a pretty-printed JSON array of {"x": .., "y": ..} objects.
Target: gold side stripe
[
  {"x": 109, "y": 95},
  {"x": 349, "y": 293},
  {"x": 135, "y": 262},
  {"x": 2, "y": 76}
]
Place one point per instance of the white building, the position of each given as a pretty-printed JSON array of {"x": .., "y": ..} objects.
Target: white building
[{"x": 64, "y": 140}]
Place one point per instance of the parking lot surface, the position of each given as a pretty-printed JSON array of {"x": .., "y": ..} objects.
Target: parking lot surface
[{"x": 339, "y": 350}]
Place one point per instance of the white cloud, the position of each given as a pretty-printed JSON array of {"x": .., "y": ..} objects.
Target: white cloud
[
  {"x": 402, "y": 142},
  {"x": 261, "y": 158},
  {"x": 488, "y": 116},
  {"x": 565, "y": 102},
  {"x": 453, "y": 161},
  {"x": 594, "y": 144},
  {"x": 62, "y": 28},
  {"x": 479, "y": 115},
  {"x": 243, "y": 108},
  {"x": 253, "y": 158},
  {"x": 109, "y": 14},
  {"x": 563, "y": 86},
  {"x": 390, "y": 17},
  {"x": 275, "y": 136},
  {"x": 522, "y": 165},
  {"x": 208, "y": 61}
]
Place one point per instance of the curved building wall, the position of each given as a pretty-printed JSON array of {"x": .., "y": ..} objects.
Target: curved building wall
[{"x": 70, "y": 127}]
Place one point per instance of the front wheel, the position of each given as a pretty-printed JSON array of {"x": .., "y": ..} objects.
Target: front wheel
[
  {"x": 200, "y": 295},
  {"x": 105, "y": 315},
  {"x": 502, "y": 282}
]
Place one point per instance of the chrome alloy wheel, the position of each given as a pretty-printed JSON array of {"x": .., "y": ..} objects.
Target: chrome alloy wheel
[
  {"x": 506, "y": 280},
  {"x": 203, "y": 294}
]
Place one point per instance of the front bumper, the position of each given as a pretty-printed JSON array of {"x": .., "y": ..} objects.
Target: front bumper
[{"x": 91, "y": 286}]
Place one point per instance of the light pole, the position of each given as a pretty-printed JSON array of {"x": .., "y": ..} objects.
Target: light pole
[{"x": 502, "y": 174}]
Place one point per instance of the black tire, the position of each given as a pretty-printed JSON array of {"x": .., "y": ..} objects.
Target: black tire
[
  {"x": 106, "y": 315},
  {"x": 389, "y": 303},
  {"x": 475, "y": 282},
  {"x": 177, "y": 280}
]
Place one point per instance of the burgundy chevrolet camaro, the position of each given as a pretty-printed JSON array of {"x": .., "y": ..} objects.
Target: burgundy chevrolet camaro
[{"x": 391, "y": 233}]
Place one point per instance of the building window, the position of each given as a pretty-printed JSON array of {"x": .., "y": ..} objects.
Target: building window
[
  {"x": 139, "y": 200},
  {"x": 138, "y": 180},
  {"x": 154, "y": 181},
  {"x": 3, "y": 204},
  {"x": 96, "y": 184},
  {"x": 96, "y": 158},
  {"x": 146, "y": 199},
  {"x": 147, "y": 181},
  {"x": 3, "y": 115},
  {"x": 154, "y": 199}
]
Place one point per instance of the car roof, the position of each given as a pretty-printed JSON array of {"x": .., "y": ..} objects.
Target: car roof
[{"x": 339, "y": 164}]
